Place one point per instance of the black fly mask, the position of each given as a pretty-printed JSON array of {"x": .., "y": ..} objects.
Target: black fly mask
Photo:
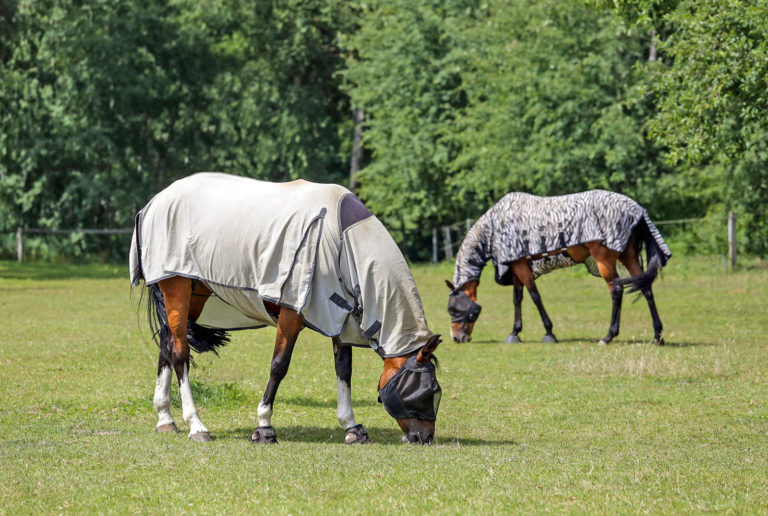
[
  {"x": 413, "y": 392},
  {"x": 462, "y": 308}
]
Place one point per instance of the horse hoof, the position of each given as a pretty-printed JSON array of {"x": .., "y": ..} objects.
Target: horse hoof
[
  {"x": 200, "y": 437},
  {"x": 356, "y": 435},
  {"x": 549, "y": 338},
  {"x": 658, "y": 342},
  {"x": 602, "y": 343},
  {"x": 512, "y": 339},
  {"x": 169, "y": 428},
  {"x": 264, "y": 435}
]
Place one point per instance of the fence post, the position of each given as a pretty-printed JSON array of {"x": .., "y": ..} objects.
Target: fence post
[
  {"x": 469, "y": 225},
  {"x": 448, "y": 245},
  {"x": 19, "y": 244},
  {"x": 434, "y": 246},
  {"x": 732, "y": 248}
]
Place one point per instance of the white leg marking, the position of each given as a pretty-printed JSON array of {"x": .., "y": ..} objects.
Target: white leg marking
[
  {"x": 188, "y": 405},
  {"x": 162, "y": 400},
  {"x": 344, "y": 412},
  {"x": 265, "y": 414}
]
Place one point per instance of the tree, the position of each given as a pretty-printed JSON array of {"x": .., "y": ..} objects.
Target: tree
[{"x": 399, "y": 73}]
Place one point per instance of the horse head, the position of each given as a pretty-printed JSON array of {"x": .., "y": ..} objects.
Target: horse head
[
  {"x": 463, "y": 309},
  {"x": 410, "y": 393}
]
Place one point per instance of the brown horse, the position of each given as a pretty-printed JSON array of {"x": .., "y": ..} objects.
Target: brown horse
[
  {"x": 608, "y": 227},
  {"x": 213, "y": 248}
]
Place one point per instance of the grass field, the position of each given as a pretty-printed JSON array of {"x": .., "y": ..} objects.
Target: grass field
[{"x": 567, "y": 427}]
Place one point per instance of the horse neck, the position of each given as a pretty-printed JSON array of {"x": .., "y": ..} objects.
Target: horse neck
[{"x": 473, "y": 253}]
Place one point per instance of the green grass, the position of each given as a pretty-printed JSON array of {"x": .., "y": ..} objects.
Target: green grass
[{"x": 566, "y": 427}]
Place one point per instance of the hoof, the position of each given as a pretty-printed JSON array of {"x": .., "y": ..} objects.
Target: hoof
[
  {"x": 264, "y": 435},
  {"x": 169, "y": 428},
  {"x": 602, "y": 343},
  {"x": 658, "y": 342},
  {"x": 200, "y": 437},
  {"x": 549, "y": 338},
  {"x": 356, "y": 435},
  {"x": 512, "y": 339}
]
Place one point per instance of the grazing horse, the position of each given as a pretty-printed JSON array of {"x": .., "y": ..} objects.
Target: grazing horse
[
  {"x": 526, "y": 236},
  {"x": 220, "y": 252}
]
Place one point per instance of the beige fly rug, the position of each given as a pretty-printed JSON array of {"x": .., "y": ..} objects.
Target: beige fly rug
[{"x": 311, "y": 247}]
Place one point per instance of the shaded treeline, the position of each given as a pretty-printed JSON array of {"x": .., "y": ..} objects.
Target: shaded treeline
[{"x": 102, "y": 103}]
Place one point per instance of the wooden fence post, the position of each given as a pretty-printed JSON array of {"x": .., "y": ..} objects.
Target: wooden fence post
[
  {"x": 732, "y": 247},
  {"x": 19, "y": 244},
  {"x": 448, "y": 245},
  {"x": 434, "y": 246}
]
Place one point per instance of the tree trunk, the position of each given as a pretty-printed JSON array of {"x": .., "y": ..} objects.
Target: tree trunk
[
  {"x": 356, "y": 163},
  {"x": 652, "y": 51}
]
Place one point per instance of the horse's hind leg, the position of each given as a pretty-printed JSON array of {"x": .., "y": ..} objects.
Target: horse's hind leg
[
  {"x": 514, "y": 337},
  {"x": 631, "y": 260},
  {"x": 354, "y": 433},
  {"x": 177, "y": 292},
  {"x": 162, "y": 398},
  {"x": 289, "y": 324},
  {"x": 523, "y": 272}
]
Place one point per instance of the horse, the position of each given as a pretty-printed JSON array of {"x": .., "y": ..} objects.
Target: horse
[
  {"x": 526, "y": 236},
  {"x": 218, "y": 253}
]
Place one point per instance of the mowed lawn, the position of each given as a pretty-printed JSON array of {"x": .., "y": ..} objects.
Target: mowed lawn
[{"x": 528, "y": 428}]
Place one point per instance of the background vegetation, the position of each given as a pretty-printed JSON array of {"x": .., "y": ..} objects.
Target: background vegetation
[
  {"x": 530, "y": 428},
  {"x": 103, "y": 103}
]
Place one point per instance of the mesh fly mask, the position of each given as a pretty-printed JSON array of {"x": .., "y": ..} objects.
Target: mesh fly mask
[
  {"x": 462, "y": 308},
  {"x": 413, "y": 392}
]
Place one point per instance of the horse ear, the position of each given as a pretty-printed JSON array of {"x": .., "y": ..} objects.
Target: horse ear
[
  {"x": 450, "y": 285},
  {"x": 426, "y": 352}
]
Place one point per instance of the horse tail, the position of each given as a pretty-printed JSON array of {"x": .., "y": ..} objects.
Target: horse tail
[
  {"x": 654, "y": 254},
  {"x": 200, "y": 338}
]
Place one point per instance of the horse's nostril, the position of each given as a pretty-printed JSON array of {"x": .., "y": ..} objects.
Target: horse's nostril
[{"x": 456, "y": 339}]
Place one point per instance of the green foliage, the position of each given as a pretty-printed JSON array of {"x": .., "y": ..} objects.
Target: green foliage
[
  {"x": 400, "y": 74},
  {"x": 551, "y": 110},
  {"x": 712, "y": 101},
  {"x": 105, "y": 103}
]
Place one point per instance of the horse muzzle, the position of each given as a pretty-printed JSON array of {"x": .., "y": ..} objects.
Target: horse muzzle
[
  {"x": 461, "y": 338},
  {"x": 418, "y": 438}
]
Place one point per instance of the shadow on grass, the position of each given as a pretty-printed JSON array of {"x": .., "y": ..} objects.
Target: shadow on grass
[
  {"x": 310, "y": 402},
  {"x": 322, "y": 435},
  {"x": 590, "y": 341},
  {"x": 48, "y": 271}
]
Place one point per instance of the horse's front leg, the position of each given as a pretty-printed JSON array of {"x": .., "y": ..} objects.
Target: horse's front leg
[
  {"x": 355, "y": 433},
  {"x": 289, "y": 324},
  {"x": 522, "y": 270},
  {"x": 514, "y": 337},
  {"x": 177, "y": 292}
]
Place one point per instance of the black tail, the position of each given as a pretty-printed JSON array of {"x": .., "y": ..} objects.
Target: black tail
[
  {"x": 654, "y": 256},
  {"x": 200, "y": 338}
]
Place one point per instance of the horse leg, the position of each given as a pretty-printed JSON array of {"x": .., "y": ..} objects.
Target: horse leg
[
  {"x": 606, "y": 264},
  {"x": 514, "y": 337},
  {"x": 177, "y": 292},
  {"x": 631, "y": 260},
  {"x": 162, "y": 398},
  {"x": 523, "y": 272},
  {"x": 355, "y": 433},
  {"x": 289, "y": 324}
]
